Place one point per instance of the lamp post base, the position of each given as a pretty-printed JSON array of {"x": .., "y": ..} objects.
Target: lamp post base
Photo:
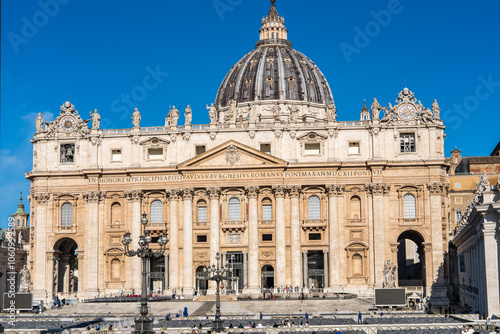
[
  {"x": 218, "y": 325},
  {"x": 143, "y": 325}
]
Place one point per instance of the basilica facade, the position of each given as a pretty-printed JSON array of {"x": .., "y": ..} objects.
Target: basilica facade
[{"x": 287, "y": 194}]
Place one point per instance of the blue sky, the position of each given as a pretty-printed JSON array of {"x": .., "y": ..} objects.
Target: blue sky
[{"x": 97, "y": 53}]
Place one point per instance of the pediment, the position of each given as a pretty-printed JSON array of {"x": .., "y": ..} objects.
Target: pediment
[
  {"x": 154, "y": 141},
  {"x": 312, "y": 137},
  {"x": 233, "y": 154}
]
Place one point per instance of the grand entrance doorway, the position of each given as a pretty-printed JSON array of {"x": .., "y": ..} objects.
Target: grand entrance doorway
[
  {"x": 267, "y": 279},
  {"x": 316, "y": 270},
  {"x": 201, "y": 281},
  {"x": 157, "y": 274},
  {"x": 236, "y": 277},
  {"x": 411, "y": 260},
  {"x": 65, "y": 268}
]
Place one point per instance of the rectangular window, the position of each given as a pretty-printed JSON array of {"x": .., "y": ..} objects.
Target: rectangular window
[
  {"x": 201, "y": 238},
  {"x": 200, "y": 149},
  {"x": 266, "y": 148},
  {"x": 354, "y": 148},
  {"x": 458, "y": 215},
  {"x": 67, "y": 153},
  {"x": 458, "y": 185},
  {"x": 312, "y": 149},
  {"x": 267, "y": 212},
  {"x": 116, "y": 155},
  {"x": 314, "y": 236},
  {"x": 407, "y": 142},
  {"x": 267, "y": 237},
  {"x": 461, "y": 260},
  {"x": 155, "y": 154},
  {"x": 458, "y": 200}
]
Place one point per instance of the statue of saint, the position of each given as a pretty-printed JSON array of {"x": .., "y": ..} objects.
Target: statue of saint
[
  {"x": 188, "y": 115},
  {"x": 331, "y": 112},
  {"x": 24, "y": 280},
  {"x": 436, "y": 109},
  {"x": 426, "y": 115},
  {"x": 96, "y": 119},
  {"x": 232, "y": 111},
  {"x": 172, "y": 117},
  {"x": 276, "y": 112},
  {"x": 136, "y": 118},
  {"x": 252, "y": 114},
  {"x": 294, "y": 113},
  {"x": 212, "y": 113},
  {"x": 39, "y": 123},
  {"x": 20, "y": 240},
  {"x": 376, "y": 107},
  {"x": 389, "y": 280}
]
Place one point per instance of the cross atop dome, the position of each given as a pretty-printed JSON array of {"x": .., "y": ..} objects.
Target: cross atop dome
[{"x": 273, "y": 25}]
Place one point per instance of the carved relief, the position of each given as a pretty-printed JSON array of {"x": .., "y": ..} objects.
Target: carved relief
[
  {"x": 133, "y": 195},
  {"x": 232, "y": 154},
  {"x": 335, "y": 189},
  {"x": 94, "y": 196},
  {"x": 437, "y": 188},
  {"x": 213, "y": 192},
  {"x": 233, "y": 238},
  {"x": 295, "y": 191},
  {"x": 379, "y": 188},
  {"x": 41, "y": 198},
  {"x": 279, "y": 190},
  {"x": 187, "y": 193},
  {"x": 252, "y": 191},
  {"x": 173, "y": 194}
]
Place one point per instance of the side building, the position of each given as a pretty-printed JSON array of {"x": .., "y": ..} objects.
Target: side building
[{"x": 285, "y": 192}]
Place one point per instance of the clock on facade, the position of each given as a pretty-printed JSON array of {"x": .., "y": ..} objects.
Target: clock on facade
[
  {"x": 406, "y": 112},
  {"x": 67, "y": 123}
]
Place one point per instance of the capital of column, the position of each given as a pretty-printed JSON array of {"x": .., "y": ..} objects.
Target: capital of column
[
  {"x": 379, "y": 188},
  {"x": 213, "y": 192},
  {"x": 252, "y": 191},
  {"x": 94, "y": 196},
  {"x": 304, "y": 252},
  {"x": 173, "y": 194},
  {"x": 427, "y": 247},
  {"x": 133, "y": 195},
  {"x": 187, "y": 193},
  {"x": 295, "y": 191},
  {"x": 438, "y": 188},
  {"x": 335, "y": 189},
  {"x": 279, "y": 190},
  {"x": 41, "y": 198}
]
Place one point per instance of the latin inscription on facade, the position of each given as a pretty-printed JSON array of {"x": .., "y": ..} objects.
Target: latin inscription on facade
[{"x": 236, "y": 175}]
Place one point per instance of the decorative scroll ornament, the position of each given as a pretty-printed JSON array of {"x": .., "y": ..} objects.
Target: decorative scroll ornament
[{"x": 232, "y": 154}]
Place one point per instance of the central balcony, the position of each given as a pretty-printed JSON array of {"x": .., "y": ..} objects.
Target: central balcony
[
  {"x": 234, "y": 225},
  {"x": 314, "y": 224}
]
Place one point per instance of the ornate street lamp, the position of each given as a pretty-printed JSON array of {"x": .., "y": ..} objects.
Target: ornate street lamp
[
  {"x": 218, "y": 274},
  {"x": 144, "y": 324}
]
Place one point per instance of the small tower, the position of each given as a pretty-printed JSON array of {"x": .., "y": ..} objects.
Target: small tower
[
  {"x": 456, "y": 158},
  {"x": 20, "y": 216},
  {"x": 365, "y": 113}
]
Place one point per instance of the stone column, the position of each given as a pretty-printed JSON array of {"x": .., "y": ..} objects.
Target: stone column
[
  {"x": 334, "y": 191},
  {"x": 279, "y": 193},
  {"x": 245, "y": 270},
  {"x": 167, "y": 278},
  {"x": 325, "y": 270},
  {"x": 378, "y": 190},
  {"x": 295, "y": 235},
  {"x": 92, "y": 199},
  {"x": 64, "y": 263},
  {"x": 187, "y": 238},
  {"x": 491, "y": 265},
  {"x": 305, "y": 270},
  {"x": 253, "y": 240},
  {"x": 439, "y": 293},
  {"x": 135, "y": 197},
  {"x": 214, "y": 194},
  {"x": 41, "y": 222},
  {"x": 173, "y": 263}
]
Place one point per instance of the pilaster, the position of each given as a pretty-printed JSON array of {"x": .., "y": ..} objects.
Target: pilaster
[
  {"x": 187, "y": 245},
  {"x": 214, "y": 195},
  {"x": 295, "y": 235},
  {"x": 378, "y": 190},
  {"x": 135, "y": 278},
  {"x": 173, "y": 244},
  {"x": 279, "y": 193},
  {"x": 253, "y": 240},
  {"x": 334, "y": 192}
]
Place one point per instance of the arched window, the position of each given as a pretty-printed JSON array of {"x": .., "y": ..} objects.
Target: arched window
[
  {"x": 234, "y": 209},
  {"x": 355, "y": 207},
  {"x": 202, "y": 211},
  {"x": 115, "y": 269},
  {"x": 156, "y": 211},
  {"x": 18, "y": 222},
  {"x": 116, "y": 214},
  {"x": 267, "y": 209},
  {"x": 409, "y": 206},
  {"x": 66, "y": 214},
  {"x": 314, "y": 208}
]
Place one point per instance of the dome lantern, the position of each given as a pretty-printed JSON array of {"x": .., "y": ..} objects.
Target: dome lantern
[{"x": 273, "y": 29}]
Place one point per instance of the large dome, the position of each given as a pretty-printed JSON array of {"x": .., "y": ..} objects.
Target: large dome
[{"x": 274, "y": 71}]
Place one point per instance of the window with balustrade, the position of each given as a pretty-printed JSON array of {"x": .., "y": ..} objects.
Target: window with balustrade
[
  {"x": 67, "y": 214},
  {"x": 234, "y": 209},
  {"x": 314, "y": 207},
  {"x": 156, "y": 212}
]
